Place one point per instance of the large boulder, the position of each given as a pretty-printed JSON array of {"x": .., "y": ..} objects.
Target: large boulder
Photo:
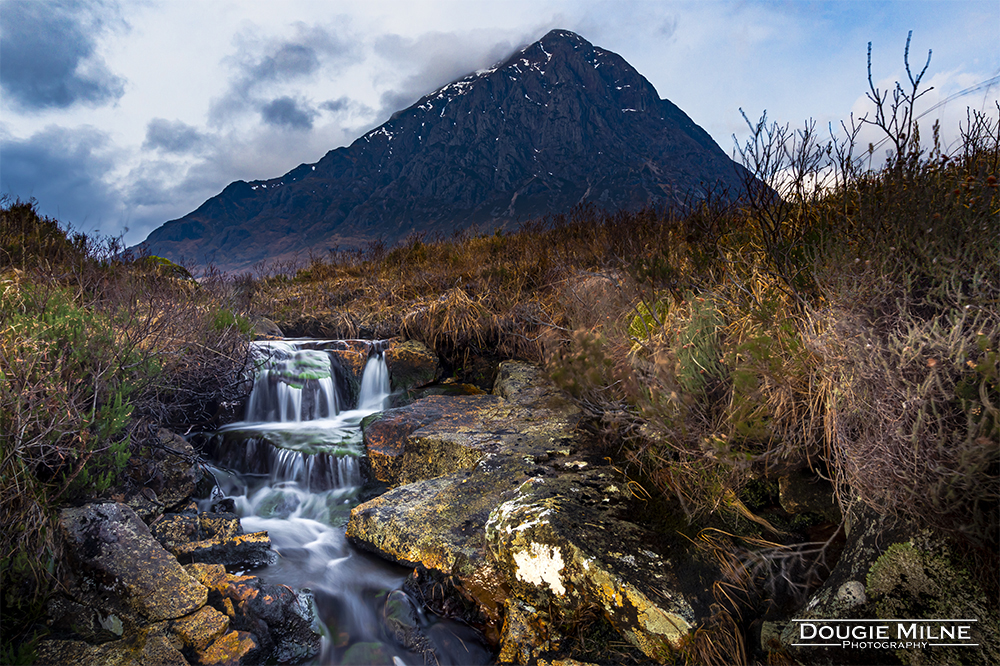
[
  {"x": 563, "y": 546},
  {"x": 490, "y": 495},
  {"x": 117, "y": 566}
]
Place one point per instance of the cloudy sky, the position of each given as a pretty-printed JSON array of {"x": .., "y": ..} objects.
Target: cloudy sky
[{"x": 123, "y": 115}]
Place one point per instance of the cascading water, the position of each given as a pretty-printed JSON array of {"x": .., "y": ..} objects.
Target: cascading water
[{"x": 291, "y": 468}]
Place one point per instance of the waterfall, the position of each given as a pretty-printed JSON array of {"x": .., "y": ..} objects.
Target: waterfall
[
  {"x": 375, "y": 388},
  {"x": 293, "y": 385}
]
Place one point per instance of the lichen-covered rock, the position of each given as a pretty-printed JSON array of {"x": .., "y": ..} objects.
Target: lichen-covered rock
[
  {"x": 441, "y": 434},
  {"x": 119, "y": 567},
  {"x": 230, "y": 649},
  {"x": 438, "y": 524},
  {"x": 282, "y": 621},
  {"x": 886, "y": 572},
  {"x": 200, "y": 629},
  {"x": 563, "y": 546},
  {"x": 411, "y": 365}
]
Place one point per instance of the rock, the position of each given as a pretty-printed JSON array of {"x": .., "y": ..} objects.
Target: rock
[
  {"x": 235, "y": 647},
  {"x": 367, "y": 654},
  {"x": 201, "y": 628},
  {"x": 178, "y": 471},
  {"x": 411, "y": 365},
  {"x": 213, "y": 538},
  {"x": 405, "y": 444},
  {"x": 439, "y": 434},
  {"x": 265, "y": 329},
  {"x": 887, "y": 572},
  {"x": 438, "y": 524},
  {"x": 350, "y": 358},
  {"x": 118, "y": 567},
  {"x": 518, "y": 517},
  {"x": 521, "y": 639},
  {"x": 562, "y": 546},
  {"x": 150, "y": 646},
  {"x": 281, "y": 620},
  {"x": 804, "y": 492}
]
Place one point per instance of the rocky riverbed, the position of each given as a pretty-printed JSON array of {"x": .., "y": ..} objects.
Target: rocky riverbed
[{"x": 508, "y": 523}]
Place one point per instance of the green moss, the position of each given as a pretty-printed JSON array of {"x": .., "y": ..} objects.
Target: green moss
[{"x": 920, "y": 579}]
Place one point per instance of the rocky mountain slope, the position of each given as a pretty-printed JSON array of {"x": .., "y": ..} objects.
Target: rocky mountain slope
[{"x": 560, "y": 123}]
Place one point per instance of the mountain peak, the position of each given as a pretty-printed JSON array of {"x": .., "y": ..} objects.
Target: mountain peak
[{"x": 559, "y": 123}]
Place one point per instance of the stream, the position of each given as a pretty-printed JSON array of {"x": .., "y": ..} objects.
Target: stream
[{"x": 292, "y": 468}]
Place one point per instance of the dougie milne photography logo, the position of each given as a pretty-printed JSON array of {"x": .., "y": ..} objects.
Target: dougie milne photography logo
[{"x": 885, "y": 634}]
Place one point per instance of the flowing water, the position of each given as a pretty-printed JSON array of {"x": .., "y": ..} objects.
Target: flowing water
[{"x": 292, "y": 468}]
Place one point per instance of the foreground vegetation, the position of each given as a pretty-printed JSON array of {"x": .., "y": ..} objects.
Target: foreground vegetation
[
  {"x": 833, "y": 317},
  {"x": 97, "y": 350}
]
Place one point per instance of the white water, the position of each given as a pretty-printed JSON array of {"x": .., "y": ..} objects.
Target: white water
[{"x": 292, "y": 468}]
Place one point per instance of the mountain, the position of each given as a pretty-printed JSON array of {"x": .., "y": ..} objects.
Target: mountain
[{"x": 561, "y": 122}]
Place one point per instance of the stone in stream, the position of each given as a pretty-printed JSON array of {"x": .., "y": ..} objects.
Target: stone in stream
[
  {"x": 213, "y": 538},
  {"x": 507, "y": 512},
  {"x": 411, "y": 365}
]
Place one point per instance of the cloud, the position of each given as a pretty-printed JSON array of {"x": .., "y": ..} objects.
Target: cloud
[
  {"x": 287, "y": 112},
  {"x": 443, "y": 57},
  {"x": 262, "y": 65},
  {"x": 48, "y": 53},
  {"x": 173, "y": 137},
  {"x": 65, "y": 170}
]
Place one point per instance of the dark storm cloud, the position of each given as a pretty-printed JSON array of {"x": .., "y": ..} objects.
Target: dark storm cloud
[
  {"x": 47, "y": 53},
  {"x": 64, "y": 170},
  {"x": 260, "y": 66},
  {"x": 287, "y": 112},
  {"x": 436, "y": 52},
  {"x": 172, "y": 136}
]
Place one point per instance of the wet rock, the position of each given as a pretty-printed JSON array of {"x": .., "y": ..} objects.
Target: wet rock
[
  {"x": 350, "y": 358},
  {"x": 117, "y": 566},
  {"x": 282, "y": 621},
  {"x": 401, "y": 623},
  {"x": 213, "y": 538},
  {"x": 411, "y": 365},
  {"x": 367, "y": 654},
  {"x": 439, "y": 524},
  {"x": 804, "y": 492}
]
